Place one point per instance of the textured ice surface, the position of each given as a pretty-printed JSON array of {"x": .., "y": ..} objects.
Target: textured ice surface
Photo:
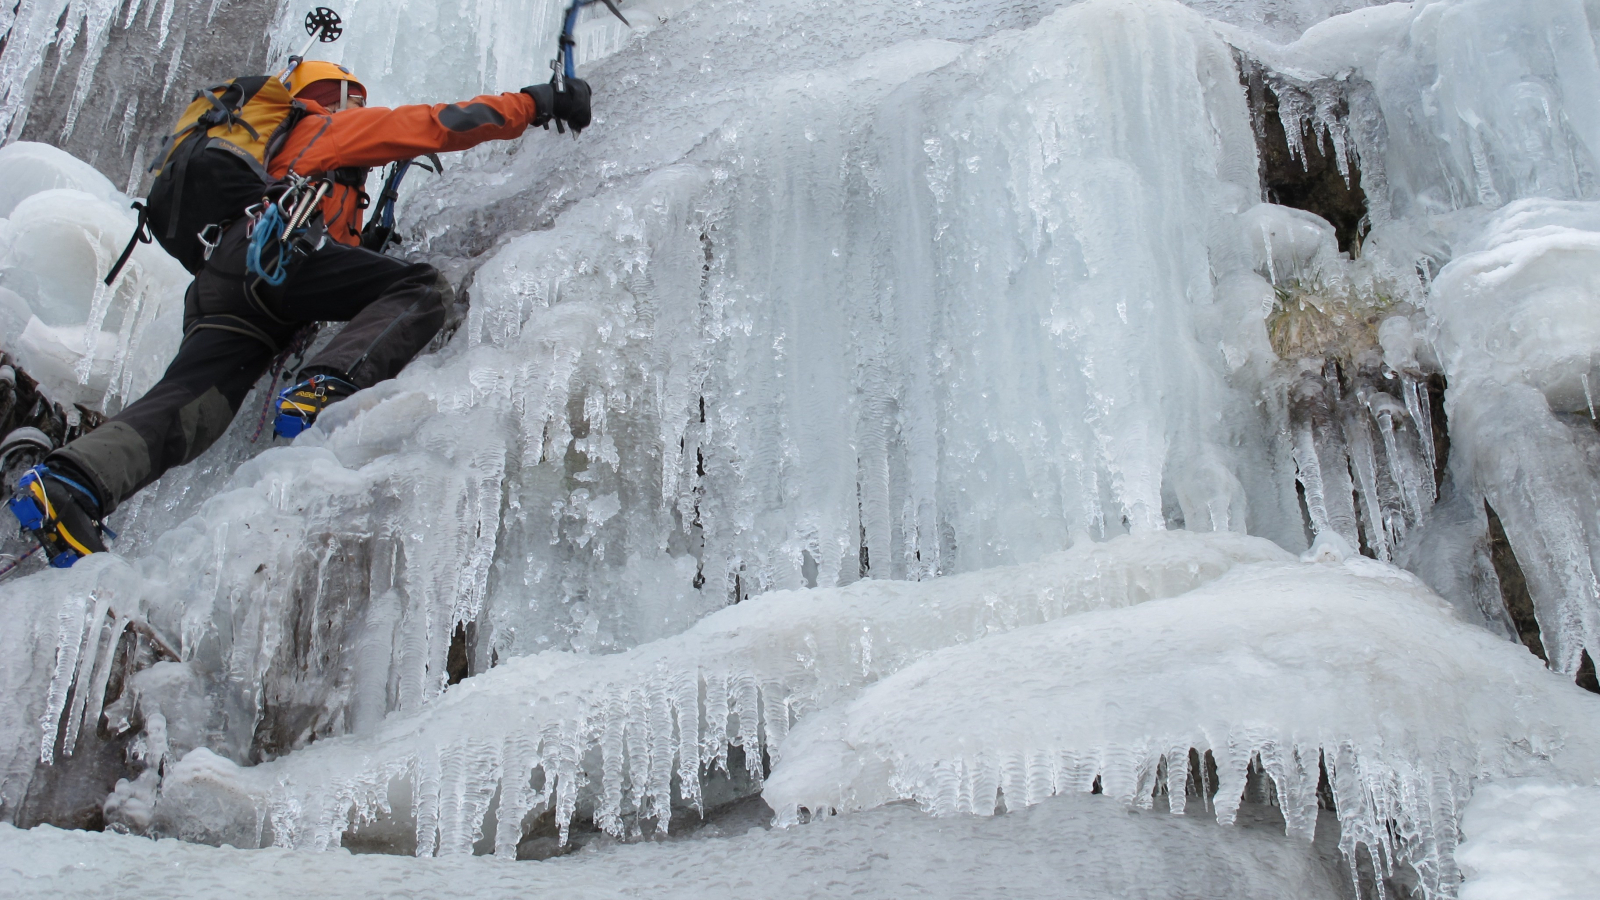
[
  {"x": 1074, "y": 848},
  {"x": 1353, "y": 666},
  {"x": 1531, "y": 837},
  {"x": 63, "y": 226},
  {"x": 626, "y": 736}
]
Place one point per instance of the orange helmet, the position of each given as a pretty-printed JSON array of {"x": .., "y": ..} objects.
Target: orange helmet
[{"x": 311, "y": 71}]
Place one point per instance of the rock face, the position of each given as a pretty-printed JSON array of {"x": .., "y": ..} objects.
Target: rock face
[{"x": 110, "y": 94}]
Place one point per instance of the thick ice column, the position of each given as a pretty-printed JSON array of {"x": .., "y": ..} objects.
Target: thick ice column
[
  {"x": 1544, "y": 490},
  {"x": 1518, "y": 341}
]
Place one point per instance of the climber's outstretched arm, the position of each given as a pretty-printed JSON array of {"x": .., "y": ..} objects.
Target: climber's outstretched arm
[{"x": 374, "y": 136}]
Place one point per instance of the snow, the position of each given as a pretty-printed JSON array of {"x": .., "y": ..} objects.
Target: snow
[
  {"x": 1531, "y": 837},
  {"x": 1074, "y": 848}
]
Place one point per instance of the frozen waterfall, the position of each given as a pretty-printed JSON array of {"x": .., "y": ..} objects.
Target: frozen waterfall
[{"x": 960, "y": 406}]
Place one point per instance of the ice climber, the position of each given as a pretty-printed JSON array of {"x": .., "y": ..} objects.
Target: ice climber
[{"x": 306, "y": 130}]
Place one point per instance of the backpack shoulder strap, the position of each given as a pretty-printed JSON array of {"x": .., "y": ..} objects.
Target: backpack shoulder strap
[{"x": 280, "y": 134}]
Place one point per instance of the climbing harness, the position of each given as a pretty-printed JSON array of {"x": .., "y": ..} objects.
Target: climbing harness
[
  {"x": 379, "y": 231},
  {"x": 283, "y": 229}
]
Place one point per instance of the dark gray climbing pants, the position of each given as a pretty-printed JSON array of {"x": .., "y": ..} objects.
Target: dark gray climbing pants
[{"x": 231, "y": 335}]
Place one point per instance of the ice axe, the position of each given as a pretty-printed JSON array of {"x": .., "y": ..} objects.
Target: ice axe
[
  {"x": 322, "y": 24},
  {"x": 564, "y": 66}
]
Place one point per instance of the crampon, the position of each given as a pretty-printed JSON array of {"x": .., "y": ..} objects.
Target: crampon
[{"x": 60, "y": 514}]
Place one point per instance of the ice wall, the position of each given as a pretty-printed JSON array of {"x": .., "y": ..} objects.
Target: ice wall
[
  {"x": 685, "y": 387},
  {"x": 62, "y": 225},
  {"x": 865, "y": 383},
  {"x": 628, "y": 737},
  {"x": 883, "y": 290}
]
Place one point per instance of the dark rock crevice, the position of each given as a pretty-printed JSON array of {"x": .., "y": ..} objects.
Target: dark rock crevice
[
  {"x": 1308, "y": 175},
  {"x": 1513, "y": 586}
]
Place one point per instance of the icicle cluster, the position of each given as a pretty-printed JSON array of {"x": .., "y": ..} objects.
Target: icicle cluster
[
  {"x": 628, "y": 736},
  {"x": 1261, "y": 668},
  {"x": 36, "y": 28},
  {"x": 1361, "y": 452}
]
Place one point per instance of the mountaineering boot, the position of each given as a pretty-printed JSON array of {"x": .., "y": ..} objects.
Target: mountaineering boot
[
  {"x": 298, "y": 406},
  {"x": 61, "y": 513}
]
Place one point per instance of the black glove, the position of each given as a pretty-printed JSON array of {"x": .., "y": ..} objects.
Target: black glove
[{"x": 570, "y": 106}]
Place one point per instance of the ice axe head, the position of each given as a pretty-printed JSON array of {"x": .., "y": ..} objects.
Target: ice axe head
[{"x": 564, "y": 66}]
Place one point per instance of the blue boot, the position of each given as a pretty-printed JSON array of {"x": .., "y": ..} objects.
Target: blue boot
[
  {"x": 298, "y": 406},
  {"x": 61, "y": 513}
]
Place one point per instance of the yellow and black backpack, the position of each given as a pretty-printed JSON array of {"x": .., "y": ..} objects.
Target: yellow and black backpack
[{"x": 213, "y": 166}]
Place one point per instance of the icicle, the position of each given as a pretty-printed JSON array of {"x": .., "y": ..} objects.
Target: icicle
[
  {"x": 686, "y": 715},
  {"x": 71, "y": 626},
  {"x": 1363, "y": 462},
  {"x": 1321, "y": 458},
  {"x": 611, "y": 730},
  {"x": 521, "y": 758},
  {"x": 469, "y": 777},
  {"x": 426, "y": 780},
  {"x": 1384, "y": 408},
  {"x": 102, "y": 676},
  {"x": 1417, "y": 404},
  {"x": 92, "y": 654},
  {"x": 659, "y": 749}
]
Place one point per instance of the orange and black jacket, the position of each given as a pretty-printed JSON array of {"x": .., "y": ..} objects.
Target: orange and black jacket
[{"x": 357, "y": 139}]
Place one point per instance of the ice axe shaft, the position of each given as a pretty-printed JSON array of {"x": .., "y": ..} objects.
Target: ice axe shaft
[{"x": 565, "y": 65}]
